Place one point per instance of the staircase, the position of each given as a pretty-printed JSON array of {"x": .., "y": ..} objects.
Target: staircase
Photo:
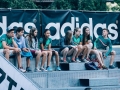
[{"x": 74, "y": 76}]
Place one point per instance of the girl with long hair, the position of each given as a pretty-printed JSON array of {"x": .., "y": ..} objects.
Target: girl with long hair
[
  {"x": 32, "y": 44},
  {"x": 76, "y": 41},
  {"x": 67, "y": 48},
  {"x": 86, "y": 42},
  {"x": 87, "y": 47},
  {"x": 45, "y": 45}
]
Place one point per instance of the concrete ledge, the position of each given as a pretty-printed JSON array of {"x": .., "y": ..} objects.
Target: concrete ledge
[
  {"x": 77, "y": 66},
  {"x": 99, "y": 81}
]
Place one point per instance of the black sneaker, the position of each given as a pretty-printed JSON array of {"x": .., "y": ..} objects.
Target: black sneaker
[
  {"x": 111, "y": 66},
  {"x": 28, "y": 69}
]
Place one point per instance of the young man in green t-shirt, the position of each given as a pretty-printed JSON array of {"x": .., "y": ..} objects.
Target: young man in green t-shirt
[
  {"x": 101, "y": 43},
  {"x": 8, "y": 46}
]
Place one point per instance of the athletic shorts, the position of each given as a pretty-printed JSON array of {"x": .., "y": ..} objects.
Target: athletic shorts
[
  {"x": 11, "y": 52},
  {"x": 104, "y": 51}
]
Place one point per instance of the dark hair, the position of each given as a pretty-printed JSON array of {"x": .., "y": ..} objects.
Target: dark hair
[
  {"x": 44, "y": 38},
  {"x": 19, "y": 29},
  {"x": 31, "y": 35},
  {"x": 105, "y": 29},
  {"x": 88, "y": 88},
  {"x": 75, "y": 30},
  {"x": 84, "y": 34},
  {"x": 10, "y": 30},
  {"x": 68, "y": 37}
]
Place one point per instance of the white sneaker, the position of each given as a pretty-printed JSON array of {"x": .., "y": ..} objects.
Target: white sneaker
[
  {"x": 77, "y": 60},
  {"x": 22, "y": 70},
  {"x": 37, "y": 70},
  {"x": 42, "y": 69}
]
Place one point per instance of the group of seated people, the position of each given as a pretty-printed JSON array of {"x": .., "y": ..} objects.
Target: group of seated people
[{"x": 73, "y": 44}]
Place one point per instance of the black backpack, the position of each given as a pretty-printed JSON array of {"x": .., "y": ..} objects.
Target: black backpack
[{"x": 91, "y": 66}]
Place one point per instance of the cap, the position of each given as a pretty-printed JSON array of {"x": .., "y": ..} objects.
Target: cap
[{"x": 9, "y": 28}]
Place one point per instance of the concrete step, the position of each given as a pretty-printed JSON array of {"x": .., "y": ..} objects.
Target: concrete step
[
  {"x": 64, "y": 66},
  {"x": 118, "y": 64},
  {"x": 112, "y": 81},
  {"x": 77, "y": 66},
  {"x": 58, "y": 79},
  {"x": 83, "y": 88}
]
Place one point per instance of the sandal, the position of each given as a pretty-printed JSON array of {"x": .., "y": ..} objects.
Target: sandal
[{"x": 104, "y": 67}]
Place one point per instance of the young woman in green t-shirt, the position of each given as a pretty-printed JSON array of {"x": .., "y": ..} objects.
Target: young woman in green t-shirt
[
  {"x": 76, "y": 39},
  {"x": 45, "y": 45}
]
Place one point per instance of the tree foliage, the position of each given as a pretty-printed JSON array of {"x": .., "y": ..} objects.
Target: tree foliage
[
  {"x": 95, "y": 5},
  {"x": 92, "y": 5},
  {"x": 64, "y": 4},
  {"x": 117, "y": 7},
  {"x": 17, "y": 4}
]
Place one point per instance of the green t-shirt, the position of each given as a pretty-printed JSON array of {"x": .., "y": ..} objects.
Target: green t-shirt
[
  {"x": 47, "y": 43},
  {"x": 76, "y": 40},
  {"x": 5, "y": 38},
  {"x": 98, "y": 44}
]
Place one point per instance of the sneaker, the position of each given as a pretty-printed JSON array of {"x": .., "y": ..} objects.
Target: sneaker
[
  {"x": 28, "y": 69},
  {"x": 87, "y": 59},
  {"x": 73, "y": 61},
  {"x": 63, "y": 61},
  {"x": 104, "y": 67},
  {"x": 84, "y": 60},
  {"x": 111, "y": 66},
  {"x": 42, "y": 69},
  {"x": 58, "y": 68},
  {"x": 22, "y": 70},
  {"x": 37, "y": 70},
  {"x": 49, "y": 69},
  {"x": 77, "y": 60}
]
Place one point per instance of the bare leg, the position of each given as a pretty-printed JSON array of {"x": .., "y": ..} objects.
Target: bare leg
[
  {"x": 100, "y": 53},
  {"x": 64, "y": 53},
  {"x": 79, "y": 50},
  {"x": 57, "y": 58},
  {"x": 98, "y": 56},
  {"x": 38, "y": 53},
  {"x": 49, "y": 53},
  {"x": 19, "y": 59},
  {"x": 85, "y": 50},
  {"x": 113, "y": 53},
  {"x": 6, "y": 53},
  {"x": 89, "y": 46},
  {"x": 28, "y": 62},
  {"x": 74, "y": 52},
  {"x": 44, "y": 54}
]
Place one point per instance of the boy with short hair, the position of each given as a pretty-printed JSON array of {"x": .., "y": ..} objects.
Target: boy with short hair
[
  {"x": 8, "y": 46},
  {"x": 101, "y": 43}
]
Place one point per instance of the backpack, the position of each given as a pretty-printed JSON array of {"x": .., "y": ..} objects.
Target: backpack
[{"x": 91, "y": 66}]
